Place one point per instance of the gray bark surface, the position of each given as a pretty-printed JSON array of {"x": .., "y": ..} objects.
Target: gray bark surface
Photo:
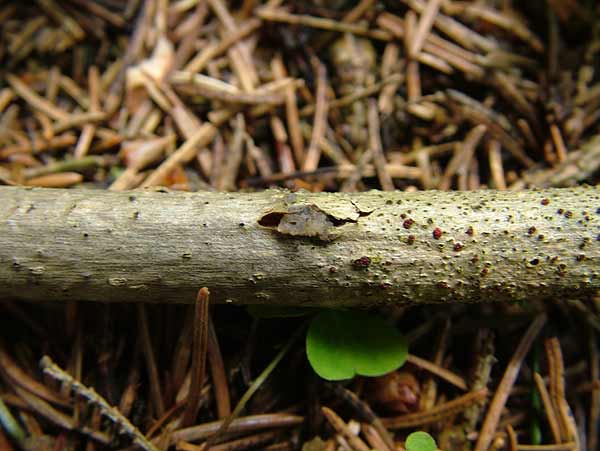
[{"x": 276, "y": 247}]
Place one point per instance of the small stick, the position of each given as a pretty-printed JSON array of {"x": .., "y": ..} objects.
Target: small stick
[
  {"x": 429, "y": 385},
  {"x": 155, "y": 92},
  {"x": 548, "y": 407},
  {"x": 60, "y": 180},
  {"x": 188, "y": 123},
  {"x": 37, "y": 102},
  {"x": 187, "y": 34},
  {"x": 527, "y": 133},
  {"x": 12, "y": 374},
  {"x": 313, "y": 154},
  {"x": 498, "y": 126},
  {"x": 45, "y": 123},
  {"x": 510, "y": 23},
  {"x": 566, "y": 422},
  {"x": 235, "y": 148},
  {"x": 219, "y": 377},
  {"x": 291, "y": 109},
  {"x": 53, "y": 84},
  {"x": 277, "y": 15},
  {"x": 333, "y": 152},
  {"x": 182, "y": 155},
  {"x": 376, "y": 147},
  {"x": 138, "y": 155},
  {"x": 284, "y": 153},
  {"x": 97, "y": 9},
  {"x": 216, "y": 89},
  {"x": 365, "y": 411},
  {"x": 357, "y": 95},
  {"x": 389, "y": 62},
  {"x": 374, "y": 438},
  {"x": 508, "y": 88},
  {"x": 146, "y": 344},
  {"x": 424, "y": 27},
  {"x": 463, "y": 155},
  {"x": 567, "y": 446},
  {"x": 439, "y": 371},
  {"x": 26, "y": 33},
  {"x": 262, "y": 377},
  {"x": 424, "y": 164},
  {"x": 492, "y": 418},
  {"x": 69, "y": 86},
  {"x": 240, "y": 425},
  {"x": 342, "y": 428},
  {"x": 199, "y": 352},
  {"x": 68, "y": 23},
  {"x": 199, "y": 62},
  {"x": 436, "y": 413},
  {"x": 77, "y": 120},
  {"x": 257, "y": 155},
  {"x": 435, "y": 63},
  {"x": 255, "y": 441},
  {"x": 457, "y": 31},
  {"x": 89, "y": 130},
  {"x": 358, "y": 11},
  {"x": 413, "y": 79},
  {"x": 458, "y": 61},
  {"x": 239, "y": 55},
  {"x": 496, "y": 167},
  {"x": 512, "y": 438},
  {"x": 593, "y": 426},
  {"x": 559, "y": 143},
  {"x": 58, "y": 418},
  {"x": 113, "y": 414},
  {"x": 6, "y": 96},
  {"x": 446, "y": 51}
]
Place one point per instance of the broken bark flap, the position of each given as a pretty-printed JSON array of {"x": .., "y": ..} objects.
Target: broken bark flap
[{"x": 324, "y": 220}]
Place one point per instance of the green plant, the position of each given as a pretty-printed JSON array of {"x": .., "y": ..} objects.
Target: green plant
[
  {"x": 420, "y": 441},
  {"x": 341, "y": 343}
]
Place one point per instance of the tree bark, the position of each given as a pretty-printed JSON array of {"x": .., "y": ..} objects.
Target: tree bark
[{"x": 277, "y": 247}]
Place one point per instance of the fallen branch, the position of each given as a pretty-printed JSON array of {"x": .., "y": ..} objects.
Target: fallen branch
[{"x": 277, "y": 247}]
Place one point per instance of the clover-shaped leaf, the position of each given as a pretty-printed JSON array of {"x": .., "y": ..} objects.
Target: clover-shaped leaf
[
  {"x": 342, "y": 344},
  {"x": 420, "y": 441}
]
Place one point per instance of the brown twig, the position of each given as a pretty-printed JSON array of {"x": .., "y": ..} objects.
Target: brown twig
[
  {"x": 148, "y": 351},
  {"x": 199, "y": 353},
  {"x": 438, "y": 412},
  {"x": 313, "y": 154},
  {"x": 93, "y": 398},
  {"x": 508, "y": 379}
]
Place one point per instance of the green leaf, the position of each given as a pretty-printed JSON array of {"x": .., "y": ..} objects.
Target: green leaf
[
  {"x": 341, "y": 344},
  {"x": 276, "y": 311},
  {"x": 420, "y": 441}
]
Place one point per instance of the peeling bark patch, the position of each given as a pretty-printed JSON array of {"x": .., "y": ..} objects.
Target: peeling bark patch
[
  {"x": 305, "y": 221},
  {"x": 271, "y": 220}
]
